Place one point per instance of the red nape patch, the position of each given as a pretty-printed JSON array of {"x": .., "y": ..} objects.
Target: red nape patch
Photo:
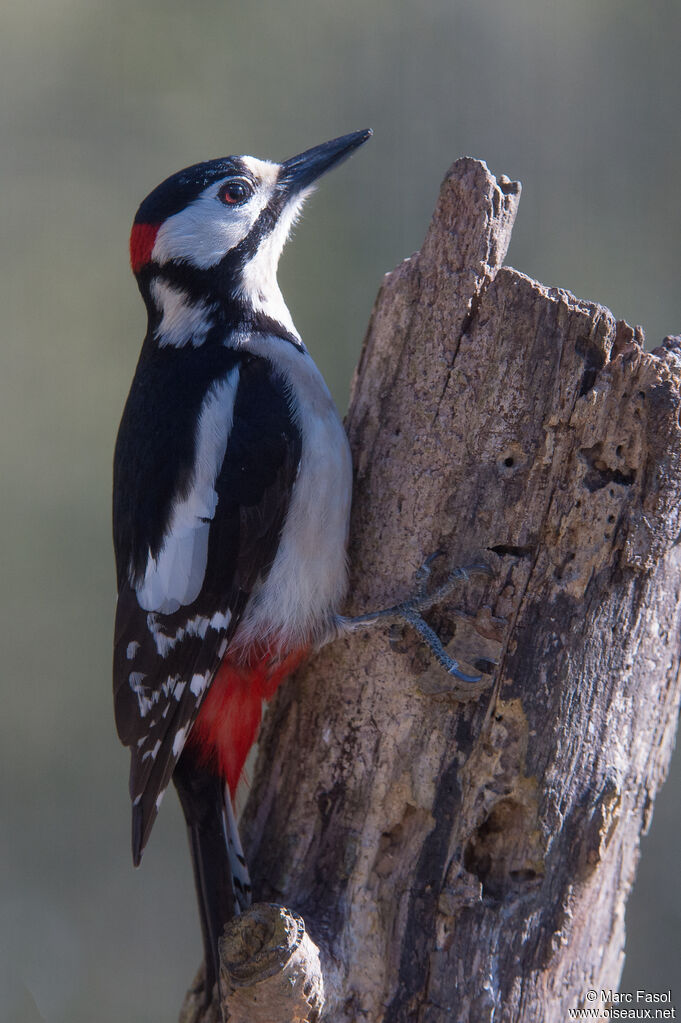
[
  {"x": 228, "y": 722},
  {"x": 142, "y": 238}
]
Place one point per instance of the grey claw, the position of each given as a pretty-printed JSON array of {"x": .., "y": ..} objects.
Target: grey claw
[
  {"x": 435, "y": 643},
  {"x": 423, "y": 573},
  {"x": 461, "y": 675},
  {"x": 410, "y": 612}
]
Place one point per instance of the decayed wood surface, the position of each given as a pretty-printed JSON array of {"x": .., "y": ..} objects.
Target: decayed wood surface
[{"x": 469, "y": 860}]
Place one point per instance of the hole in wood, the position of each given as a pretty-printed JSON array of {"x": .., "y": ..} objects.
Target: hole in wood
[{"x": 501, "y": 853}]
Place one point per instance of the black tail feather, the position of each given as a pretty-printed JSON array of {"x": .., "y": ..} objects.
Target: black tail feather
[{"x": 201, "y": 795}]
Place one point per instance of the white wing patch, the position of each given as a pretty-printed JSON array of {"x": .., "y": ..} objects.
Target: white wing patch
[{"x": 174, "y": 578}]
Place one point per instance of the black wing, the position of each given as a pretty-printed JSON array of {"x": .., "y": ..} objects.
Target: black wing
[{"x": 165, "y": 660}]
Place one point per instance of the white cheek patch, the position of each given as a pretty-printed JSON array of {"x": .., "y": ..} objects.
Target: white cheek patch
[
  {"x": 175, "y": 577},
  {"x": 182, "y": 321},
  {"x": 204, "y": 232}
]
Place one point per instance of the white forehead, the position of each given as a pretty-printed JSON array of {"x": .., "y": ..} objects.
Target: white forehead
[
  {"x": 262, "y": 170},
  {"x": 207, "y": 229}
]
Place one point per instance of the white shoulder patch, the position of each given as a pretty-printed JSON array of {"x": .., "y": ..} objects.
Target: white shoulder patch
[{"x": 174, "y": 578}]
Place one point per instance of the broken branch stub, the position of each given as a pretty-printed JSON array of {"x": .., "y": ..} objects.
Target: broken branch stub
[
  {"x": 270, "y": 972},
  {"x": 270, "y": 967},
  {"x": 471, "y": 860}
]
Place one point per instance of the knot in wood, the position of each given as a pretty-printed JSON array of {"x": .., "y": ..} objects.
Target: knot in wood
[{"x": 260, "y": 943}]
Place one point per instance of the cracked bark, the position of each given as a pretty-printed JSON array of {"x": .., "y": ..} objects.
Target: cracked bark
[{"x": 470, "y": 860}]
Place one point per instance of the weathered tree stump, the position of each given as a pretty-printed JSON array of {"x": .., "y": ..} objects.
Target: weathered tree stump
[{"x": 470, "y": 860}]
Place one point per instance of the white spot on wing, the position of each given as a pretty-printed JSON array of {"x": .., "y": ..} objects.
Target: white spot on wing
[
  {"x": 198, "y": 684},
  {"x": 132, "y": 649},
  {"x": 221, "y": 620},
  {"x": 152, "y": 752},
  {"x": 144, "y": 702},
  {"x": 179, "y": 741}
]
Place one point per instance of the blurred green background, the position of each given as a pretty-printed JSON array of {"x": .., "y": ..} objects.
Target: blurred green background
[{"x": 101, "y": 100}]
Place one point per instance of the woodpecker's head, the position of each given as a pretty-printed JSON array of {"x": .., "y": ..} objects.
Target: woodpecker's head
[{"x": 213, "y": 233}]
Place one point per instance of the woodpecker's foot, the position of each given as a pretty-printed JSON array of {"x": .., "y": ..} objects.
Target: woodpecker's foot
[{"x": 410, "y": 611}]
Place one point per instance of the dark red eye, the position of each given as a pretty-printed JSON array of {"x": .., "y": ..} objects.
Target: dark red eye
[{"x": 235, "y": 192}]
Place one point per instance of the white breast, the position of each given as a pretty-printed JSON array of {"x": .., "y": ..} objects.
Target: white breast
[{"x": 296, "y": 604}]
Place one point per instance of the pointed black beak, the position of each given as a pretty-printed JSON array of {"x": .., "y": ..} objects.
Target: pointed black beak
[{"x": 300, "y": 171}]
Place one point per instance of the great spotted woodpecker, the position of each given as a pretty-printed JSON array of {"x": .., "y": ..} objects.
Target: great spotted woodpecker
[{"x": 232, "y": 485}]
